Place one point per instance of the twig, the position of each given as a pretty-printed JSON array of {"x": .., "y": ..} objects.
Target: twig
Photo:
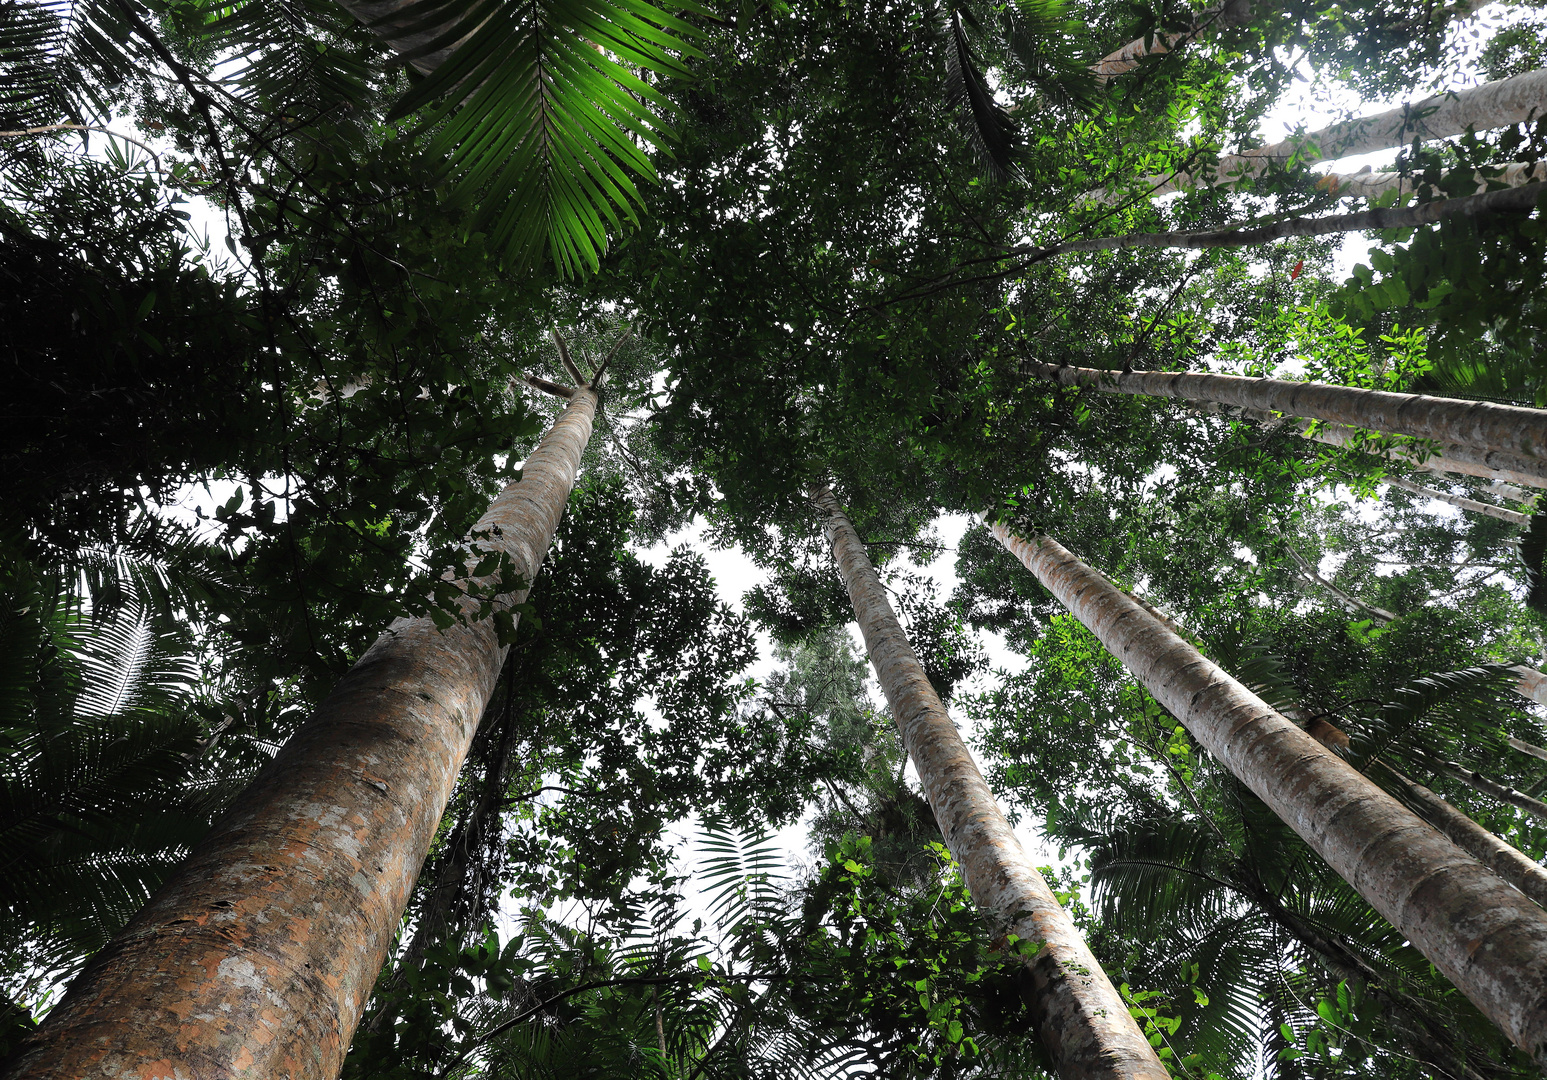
[
  {"x": 596, "y": 379},
  {"x": 49, "y": 128}
]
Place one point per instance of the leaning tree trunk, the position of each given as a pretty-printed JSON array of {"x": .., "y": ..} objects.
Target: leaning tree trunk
[
  {"x": 257, "y": 956},
  {"x": 1488, "y": 939},
  {"x": 1479, "y": 425},
  {"x": 1497, "y": 104},
  {"x": 1081, "y": 1019},
  {"x": 1514, "y": 517},
  {"x": 1506, "y": 860}
]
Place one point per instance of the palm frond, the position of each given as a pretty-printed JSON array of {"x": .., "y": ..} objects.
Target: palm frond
[
  {"x": 1050, "y": 47},
  {"x": 62, "y": 60},
  {"x": 541, "y": 119},
  {"x": 989, "y": 129}
]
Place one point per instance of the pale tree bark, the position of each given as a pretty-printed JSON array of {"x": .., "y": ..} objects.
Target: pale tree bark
[
  {"x": 1514, "y": 200},
  {"x": 1224, "y": 17},
  {"x": 1221, "y": 17},
  {"x": 1498, "y": 104},
  {"x": 1509, "y": 862},
  {"x": 1079, "y": 1016},
  {"x": 1497, "y": 468},
  {"x": 1479, "y": 425},
  {"x": 1459, "y": 501},
  {"x": 1532, "y": 684},
  {"x": 1487, "y": 937},
  {"x": 1486, "y": 785},
  {"x": 1367, "y": 184},
  {"x": 256, "y": 958}
]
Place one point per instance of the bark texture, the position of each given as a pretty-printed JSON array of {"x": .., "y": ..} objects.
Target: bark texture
[
  {"x": 1488, "y": 938},
  {"x": 1493, "y": 105},
  {"x": 1508, "y": 862},
  {"x": 1218, "y": 17},
  {"x": 1533, "y": 684},
  {"x": 1512, "y": 200},
  {"x": 1367, "y": 184},
  {"x": 1079, "y": 1016},
  {"x": 1480, "y": 425},
  {"x": 255, "y": 960},
  {"x": 1495, "y": 465},
  {"x": 1458, "y": 501}
]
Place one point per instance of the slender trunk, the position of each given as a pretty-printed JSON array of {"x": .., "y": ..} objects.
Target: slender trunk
[
  {"x": 1493, "y": 105},
  {"x": 1488, "y": 938},
  {"x": 1367, "y": 184},
  {"x": 1494, "y": 465},
  {"x": 1485, "y": 786},
  {"x": 1458, "y": 501},
  {"x": 1503, "y": 859},
  {"x": 1224, "y": 17},
  {"x": 1515, "y": 200},
  {"x": 1080, "y": 1018},
  {"x": 256, "y": 958},
  {"x": 1533, "y": 684},
  {"x": 1221, "y": 17},
  {"x": 1481, "y": 425},
  {"x": 1487, "y": 465}
]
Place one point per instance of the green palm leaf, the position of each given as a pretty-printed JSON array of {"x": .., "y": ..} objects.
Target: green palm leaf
[{"x": 545, "y": 117}]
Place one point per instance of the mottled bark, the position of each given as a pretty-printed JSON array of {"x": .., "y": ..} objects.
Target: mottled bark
[
  {"x": 1458, "y": 501},
  {"x": 1219, "y": 17},
  {"x": 1533, "y": 684},
  {"x": 1079, "y": 1016},
  {"x": 1368, "y": 184},
  {"x": 1503, "y": 859},
  {"x": 1494, "y": 465},
  {"x": 1488, "y": 938},
  {"x": 1480, "y": 425},
  {"x": 1493, "y": 105},
  {"x": 256, "y": 958},
  {"x": 1515, "y": 200},
  {"x": 1485, "y": 785}
]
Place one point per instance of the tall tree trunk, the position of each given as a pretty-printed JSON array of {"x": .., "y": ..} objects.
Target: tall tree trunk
[
  {"x": 1080, "y": 1018},
  {"x": 1480, "y": 425},
  {"x": 1510, "y": 200},
  {"x": 1487, "y": 786},
  {"x": 1488, "y": 939},
  {"x": 1532, "y": 684},
  {"x": 1217, "y": 17},
  {"x": 1460, "y": 502},
  {"x": 257, "y": 956},
  {"x": 1503, "y": 859},
  {"x": 1368, "y": 184},
  {"x": 1492, "y": 105}
]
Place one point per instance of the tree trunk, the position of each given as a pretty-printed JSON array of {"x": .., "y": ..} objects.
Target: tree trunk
[
  {"x": 1081, "y": 1019},
  {"x": 1367, "y": 184},
  {"x": 257, "y": 956},
  {"x": 1488, "y": 509},
  {"x": 1510, "y": 200},
  {"x": 1503, "y": 859},
  {"x": 1488, "y": 938},
  {"x": 1221, "y": 17},
  {"x": 1480, "y": 425},
  {"x": 1480, "y": 108},
  {"x": 1494, "y": 465},
  {"x": 1533, "y": 684},
  {"x": 1489, "y": 787}
]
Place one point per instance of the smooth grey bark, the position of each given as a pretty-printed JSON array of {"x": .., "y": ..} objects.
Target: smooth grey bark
[
  {"x": 1488, "y": 786},
  {"x": 1484, "y": 934},
  {"x": 1480, "y": 425},
  {"x": 1515, "y": 200},
  {"x": 1509, "y": 862},
  {"x": 1480, "y": 108},
  {"x": 1458, "y": 501},
  {"x": 1081, "y": 1019}
]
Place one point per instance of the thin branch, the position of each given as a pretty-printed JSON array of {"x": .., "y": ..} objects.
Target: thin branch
[
  {"x": 569, "y": 365},
  {"x": 49, "y": 128}
]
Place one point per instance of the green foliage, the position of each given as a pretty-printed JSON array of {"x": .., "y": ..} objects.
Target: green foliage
[{"x": 561, "y": 115}]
